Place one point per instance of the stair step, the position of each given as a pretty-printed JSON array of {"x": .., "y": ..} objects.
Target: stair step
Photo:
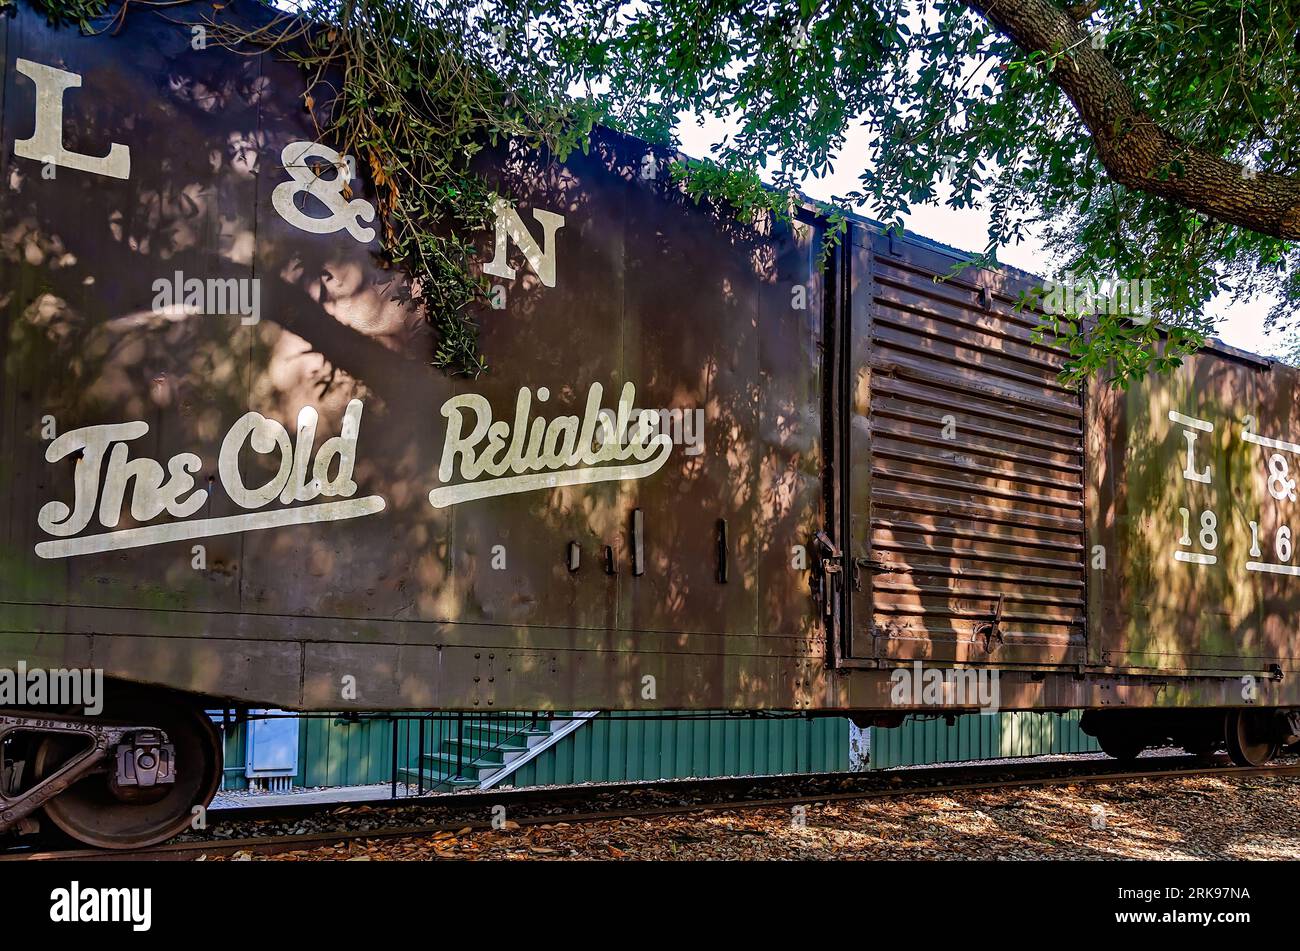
[
  {"x": 437, "y": 782},
  {"x": 493, "y": 736},
  {"x": 445, "y": 765},
  {"x": 487, "y": 745},
  {"x": 472, "y": 751},
  {"x": 501, "y": 729}
]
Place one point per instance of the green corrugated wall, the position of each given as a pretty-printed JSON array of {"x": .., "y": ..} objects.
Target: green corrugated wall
[
  {"x": 609, "y": 748},
  {"x": 628, "y": 746},
  {"x": 623, "y": 746},
  {"x": 975, "y": 736}
]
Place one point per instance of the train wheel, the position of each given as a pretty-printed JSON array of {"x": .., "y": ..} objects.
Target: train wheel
[
  {"x": 1119, "y": 745},
  {"x": 91, "y": 813},
  {"x": 1251, "y": 737}
]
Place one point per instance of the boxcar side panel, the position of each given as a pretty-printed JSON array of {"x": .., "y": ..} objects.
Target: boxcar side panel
[
  {"x": 363, "y": 531},
  {"x": 1192, "y": 507},
  {"x": 423, "y": 580}
]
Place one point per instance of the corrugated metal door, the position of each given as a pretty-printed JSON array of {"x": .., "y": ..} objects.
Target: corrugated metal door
[{"x": 968, "y": 518}]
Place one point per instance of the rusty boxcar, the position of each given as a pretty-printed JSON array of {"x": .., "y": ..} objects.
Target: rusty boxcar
[{"x": 706, "y": 469}]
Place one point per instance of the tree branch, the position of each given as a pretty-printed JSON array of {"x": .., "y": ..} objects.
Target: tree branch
[
  {"x": 1081, "y": 11},
  {"x": 1134, "y": 149}
]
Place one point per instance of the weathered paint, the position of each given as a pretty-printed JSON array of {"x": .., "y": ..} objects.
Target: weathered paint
[
  {"x": 974, "y": 534},
  {"x": 1202, "y": 591},
  {"x": 975, "y": 552},
  {"x": 639, "y": 286}
]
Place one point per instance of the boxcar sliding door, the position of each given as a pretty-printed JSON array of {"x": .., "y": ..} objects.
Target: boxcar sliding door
[{"x": 966, "y": 467}]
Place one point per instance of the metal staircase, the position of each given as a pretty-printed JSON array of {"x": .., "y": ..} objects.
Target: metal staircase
[{"x": 478, "y": 751}]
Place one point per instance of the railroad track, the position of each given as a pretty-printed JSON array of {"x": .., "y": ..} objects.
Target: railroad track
[{"x": 261, "y": 830}]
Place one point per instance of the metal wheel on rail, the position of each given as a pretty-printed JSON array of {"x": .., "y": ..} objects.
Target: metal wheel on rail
[
  {"x": 95, "y": 814},
  {"x": 1251, "y": 736}
]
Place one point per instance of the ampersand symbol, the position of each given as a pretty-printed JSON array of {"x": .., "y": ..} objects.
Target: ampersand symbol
[
  {"x": 1279, "y": 486},
  {"x": 328, "y": 191}
]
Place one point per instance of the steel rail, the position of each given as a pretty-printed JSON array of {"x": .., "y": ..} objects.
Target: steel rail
[{"x": 888, "y": 785}]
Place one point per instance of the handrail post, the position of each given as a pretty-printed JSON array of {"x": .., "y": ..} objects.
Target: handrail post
[
  {"x": 392, "y": 792},
  {"x": 419, "y": 758},
  {"x": 460, "y": 743}
]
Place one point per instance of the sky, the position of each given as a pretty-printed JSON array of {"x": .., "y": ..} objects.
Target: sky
[{"x": 1238, "y": 325}]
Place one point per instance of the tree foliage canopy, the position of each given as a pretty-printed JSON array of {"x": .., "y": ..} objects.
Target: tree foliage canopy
[{"x": 1155, "y": 140}]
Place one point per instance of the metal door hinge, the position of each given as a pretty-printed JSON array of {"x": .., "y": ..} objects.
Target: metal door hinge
[{"x": 828, "y": 578}]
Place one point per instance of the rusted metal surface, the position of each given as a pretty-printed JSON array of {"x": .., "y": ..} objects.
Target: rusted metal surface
[
  {"x": 471, "y": 604},
  {"x": 100, "y": 745},
  {"x": 914, "y": 423},
  {"x": 1192, "y": 499},
  {"x": 975, "y": 460}
]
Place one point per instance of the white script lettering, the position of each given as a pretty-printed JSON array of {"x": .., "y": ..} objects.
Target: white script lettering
[
  {"x": 542, "y": 455},
  {"x": 103, "y": 450}
]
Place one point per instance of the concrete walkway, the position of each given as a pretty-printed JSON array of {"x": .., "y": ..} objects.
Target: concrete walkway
[{"x": 340, "y": 794}]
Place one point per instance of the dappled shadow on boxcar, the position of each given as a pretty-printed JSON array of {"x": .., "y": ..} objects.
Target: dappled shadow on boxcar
[
  {"x": 975, "y": 467},
  {"x": 687, "y": 305},
  {"x": 681, "y": 300},
  {"x": 1156, "y": 608},
  {"x": 89, "y": 342}
]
